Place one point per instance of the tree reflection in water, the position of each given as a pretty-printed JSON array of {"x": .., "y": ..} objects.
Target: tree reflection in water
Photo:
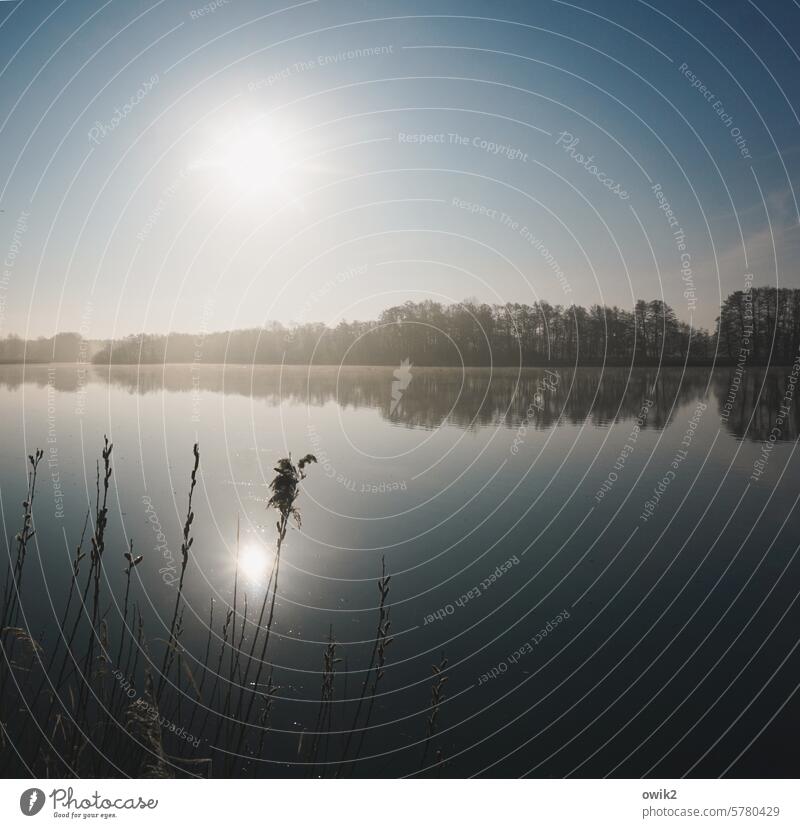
[{"x": 747, "y": 404}]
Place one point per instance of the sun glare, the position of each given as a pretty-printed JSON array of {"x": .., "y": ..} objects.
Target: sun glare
[
  {"x": 254, "y": 561},
  {"x": 252, "y": 158}
]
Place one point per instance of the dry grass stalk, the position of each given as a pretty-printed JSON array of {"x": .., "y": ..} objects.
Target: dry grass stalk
[
  {"x": 285, "y": 488},
  {"x": 437, "y": 696},
  {"x": 186, "y": 545},
  {"x": 381, "y": 635}
]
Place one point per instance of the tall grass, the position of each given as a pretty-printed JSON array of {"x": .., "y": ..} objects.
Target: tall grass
[{"x": 94, "y": 699}]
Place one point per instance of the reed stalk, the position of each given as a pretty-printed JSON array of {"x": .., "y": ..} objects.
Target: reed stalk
[
  {"x": 285, "y": 488},
  {"x": 186, "y": 545},
  {"x": 380, "y": 634},
  {"x": 437, "y": 696}
]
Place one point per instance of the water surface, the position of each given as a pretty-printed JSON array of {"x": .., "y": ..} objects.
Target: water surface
[{"x": 605, "y": 557}]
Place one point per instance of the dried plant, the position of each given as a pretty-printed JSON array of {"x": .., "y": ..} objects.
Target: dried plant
[
  {"x": 325, "y": 712},
  {"x": 186, "y": 545},
  {"x": 149, "y": 761},
  {"x": 83, "y": 720},
  {"x": 382, "y": 641},
  {"x": 13, "y": 586},
  {"x": 285, "y": 488},
  {"x": 437, "y": 696}
]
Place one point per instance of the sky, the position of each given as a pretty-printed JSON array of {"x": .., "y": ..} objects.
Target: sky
[{"x": 180, "y": 166}]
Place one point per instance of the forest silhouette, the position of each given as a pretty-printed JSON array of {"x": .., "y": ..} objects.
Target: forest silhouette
[{"x": 759, "y": 326}]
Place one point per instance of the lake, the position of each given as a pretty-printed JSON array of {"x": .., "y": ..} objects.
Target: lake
[{"x": 606, "y": 558}]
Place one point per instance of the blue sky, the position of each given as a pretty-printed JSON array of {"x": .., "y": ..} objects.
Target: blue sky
[{"x": 186, "y": 166}]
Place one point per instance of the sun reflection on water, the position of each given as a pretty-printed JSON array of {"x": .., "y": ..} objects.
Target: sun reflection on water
[{"x": 255, "y": 561}]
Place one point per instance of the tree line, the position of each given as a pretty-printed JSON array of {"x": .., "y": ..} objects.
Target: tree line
[{"x": 758, "y": 326}]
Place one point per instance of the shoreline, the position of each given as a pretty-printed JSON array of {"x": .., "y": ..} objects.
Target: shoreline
[{"x": 720, "y": 363}]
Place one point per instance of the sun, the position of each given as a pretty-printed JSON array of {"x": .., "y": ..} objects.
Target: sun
[{"x": 252, "y": 157}]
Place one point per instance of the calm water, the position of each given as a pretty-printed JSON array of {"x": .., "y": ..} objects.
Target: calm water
[{"x": 640, "y": 508}]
